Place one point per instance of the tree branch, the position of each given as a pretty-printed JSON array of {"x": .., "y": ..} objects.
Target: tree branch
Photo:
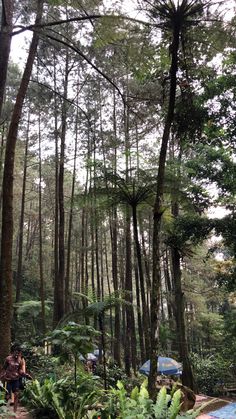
[
  {"x": 78, "y": 51},
  {"x": 78, "y": 19}
]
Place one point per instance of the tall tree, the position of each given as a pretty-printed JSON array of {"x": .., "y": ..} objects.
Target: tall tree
[
  {"x": 174, "y": 18},
  {"x": 7, "y": 196},
  {"x": 5, "y": 44}
]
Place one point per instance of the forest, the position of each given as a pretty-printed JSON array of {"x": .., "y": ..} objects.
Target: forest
[{"x": 117, "y": 201}]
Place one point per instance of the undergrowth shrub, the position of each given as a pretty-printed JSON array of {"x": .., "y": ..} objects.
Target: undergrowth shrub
[{"x": 210, "y": 373}]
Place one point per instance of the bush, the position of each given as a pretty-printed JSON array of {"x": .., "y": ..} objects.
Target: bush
[
  {"x": 62, "y": 399},
  {"x": 210, "y": 372},
  {"x": 139, "y": 406}
]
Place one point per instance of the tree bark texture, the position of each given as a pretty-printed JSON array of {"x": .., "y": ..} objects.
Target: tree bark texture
[
  {"x": 7, "y": 198},
  {"x": 5, "y": 45},
  {"x": 157, "y": 216}
]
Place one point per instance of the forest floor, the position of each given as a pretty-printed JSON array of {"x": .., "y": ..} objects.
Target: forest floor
[{"x": 21, "y": 413}]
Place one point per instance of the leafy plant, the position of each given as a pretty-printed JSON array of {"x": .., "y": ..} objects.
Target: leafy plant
[
  {"x": 4, "y": 412},
  {"x": 61, "y": 399},
  {"x": 211, "y": 372},
  {"x": 139, "y": 405},
  {"x": 74, "y": 340},
  {"x": 43, "y": 398}
]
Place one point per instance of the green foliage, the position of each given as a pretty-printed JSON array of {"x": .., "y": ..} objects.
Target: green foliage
[
  {"x": 29, "y": 319},
  {"x": 210, "y": 372},
  {"x": 95, "y": 307},
  {"x": 32, "y": 307},
  {"x": 213, "y": 164},
  {"x": 188, "y": 230},
  {"x": 226, "y": 275},
  {"x": 114, "y": 374},
  {"x": 74, "y": 338},
  {"x": 61, "y": 399},
  {"x": 40, "y": 365},
  {"x": 4, "y": 412},
  {"x": 138, "y": 405},
  {"x": 43, "y": 398}
]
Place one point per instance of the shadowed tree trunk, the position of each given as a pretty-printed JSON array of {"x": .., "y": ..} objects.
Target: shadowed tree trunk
[
  {"x": 41, "y": 273},
  {"x": 56, "y": 223},
  {"x": 59, "y": 302},
  {"x": 67, "y": 278},
  {"x": 130, "y": 337},
  {"x": 179, "y": 306},
  {"x": 5, "y": 45},
  {"x": 139, "y": 315},
  {"x": 22, "y": 214},
  {"x": 21, "y": 234},
  {"x": 157, "y": 216},
  {"x": 7, "y": 198},
  {"x": 146, "y": 323},
  {"x": 175, "y": 18}
]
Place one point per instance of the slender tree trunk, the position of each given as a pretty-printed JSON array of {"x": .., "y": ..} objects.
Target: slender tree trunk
[
  {"x": 56, "y": 222},
  {"x": 21, "y": 234},
  {"x": 157, "y": 216},
  {"x": 41, "y": 273},
  {"x": 97, "y": 258},
  {"x": 169, "y": 290},
  {"x": 129, "y": 297},
  {"x": 187, "y": 375},
  {"x": 22, "y": 216},
  {"x": 7, "y": 195},
  {"x": 67, "y": 280},
  {"x": 114, "y": 249},
  {"x": 59, "y": 310},
  {"x": 139, "y": 316},
  {"x": 179, "y": 306},
  {"x": 146, "y": 266},
  {"x": 146, "y": 323},
  {"x": 109, "y": 288},
  {"x": 5, "y": 45},
  {"x": 130, "y": 352}
]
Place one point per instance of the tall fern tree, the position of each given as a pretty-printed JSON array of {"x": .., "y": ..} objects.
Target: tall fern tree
[{"x": 174, "y": 18}]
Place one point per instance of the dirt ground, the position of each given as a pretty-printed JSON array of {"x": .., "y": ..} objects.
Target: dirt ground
[{"x": 21, "y": 413}]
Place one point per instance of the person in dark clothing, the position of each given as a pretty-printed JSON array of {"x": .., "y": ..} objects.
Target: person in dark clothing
[{"x": 13, "y": 370}]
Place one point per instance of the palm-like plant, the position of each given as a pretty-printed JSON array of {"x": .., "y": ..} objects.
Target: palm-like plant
[
  {"x": 134, "y": 192},
  {"x": 171, "y": 13},
  {"x": 97, "y": 308},
  {"x": 174, "y": 18}
]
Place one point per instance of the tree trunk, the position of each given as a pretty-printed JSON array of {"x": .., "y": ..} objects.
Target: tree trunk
[
  {"x": 114, "y": 250},
  {"x": 7, "y": 196},
  {"x": 187, "y": 375},
  {"x": 67, "y": 279},
  {"x": 41, "y": 275},
  {"x": 146, "y": 323},
  {"x": 21, "y": 231},
  {"x": 56, "y": 222},
  {"x": 22, "y": 214},
  {"x": 130, "y": 337},
  {"x": 114, "y": 261},
  {"x": 157, "y": 216},
  {"x": 5, "y": 45},
  {"x": 139, "y": 316},
  {"x": 59, "y": 303}
]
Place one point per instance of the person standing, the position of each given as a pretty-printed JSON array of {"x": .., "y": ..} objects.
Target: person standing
[{"x": 13, "y": 369}]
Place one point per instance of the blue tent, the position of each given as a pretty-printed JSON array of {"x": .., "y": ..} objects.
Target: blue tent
[{"x": 166, "y": 366}]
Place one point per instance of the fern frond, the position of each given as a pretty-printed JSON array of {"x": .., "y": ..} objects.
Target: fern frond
[{"x": 175, "y": 405}]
